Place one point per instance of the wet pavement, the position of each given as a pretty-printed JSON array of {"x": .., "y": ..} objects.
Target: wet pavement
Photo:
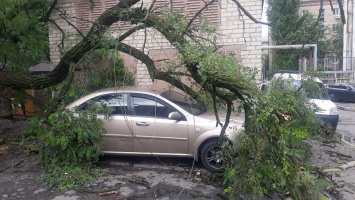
[
  {"x": 150, "y": 178},
  {"x": 344, "y": 174}
]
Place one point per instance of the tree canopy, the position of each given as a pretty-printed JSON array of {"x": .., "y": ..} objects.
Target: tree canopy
[
  {"x": 289, "y": 27},
  {"x": 24, "y": 33}
]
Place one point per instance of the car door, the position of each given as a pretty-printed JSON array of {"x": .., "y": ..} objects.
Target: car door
[
  {"x": 343, "y": 93},
  {"x": 348, "y": 94},
  {"x": 336, "y": 92},
  {"x": 153, "y": 131},
  {"x": 118, "y": 137}
]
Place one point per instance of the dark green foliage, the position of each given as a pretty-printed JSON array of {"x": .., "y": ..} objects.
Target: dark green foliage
[
  {"x": 24, "y": 34},
  {"x": 69, "y": 146},
  {"x": 268, "y": 157},
  {"x": 336, "y": 40},
  {"x": 69, "y": 177},
  {"x": 289, "y": 28}
]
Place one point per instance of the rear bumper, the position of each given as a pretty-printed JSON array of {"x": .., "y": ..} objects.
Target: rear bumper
[{"x": 330, "y": 119}]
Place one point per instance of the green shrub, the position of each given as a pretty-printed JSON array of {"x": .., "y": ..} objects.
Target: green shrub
[
  {"x": 69, "y": 144},
  {"x": 268, "y": 156}
]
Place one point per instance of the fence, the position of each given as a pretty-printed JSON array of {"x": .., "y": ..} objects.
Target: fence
[{"x": 338, "y": 77}]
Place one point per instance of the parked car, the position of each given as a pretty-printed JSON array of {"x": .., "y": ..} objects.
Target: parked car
[
  {"x": 327, "y": 110},
  {"x": 341, "y": 92},
  {"x": 156, "y": 123}
]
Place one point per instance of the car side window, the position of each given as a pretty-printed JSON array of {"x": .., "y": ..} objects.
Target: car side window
[
  {"x": 337, "y": 86},
  {"x": 116, "y": 103},
  {"x": 149, "y": 108}
]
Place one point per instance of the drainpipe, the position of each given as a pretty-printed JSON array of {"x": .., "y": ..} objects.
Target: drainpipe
[
  {"x": 345, "y": 35},
  {"x": 315, "y": 57}
]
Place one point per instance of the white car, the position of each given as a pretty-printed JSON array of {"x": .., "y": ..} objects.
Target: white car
[{"x": 327, "y": 110}]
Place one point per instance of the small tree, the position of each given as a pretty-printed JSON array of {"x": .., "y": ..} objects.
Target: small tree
[{"x": 288, "y": 28}]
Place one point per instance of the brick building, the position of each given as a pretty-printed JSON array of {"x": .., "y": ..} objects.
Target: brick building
[{"x": 237, "y": 32}]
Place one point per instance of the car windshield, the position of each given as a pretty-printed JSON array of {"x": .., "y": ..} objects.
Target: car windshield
[
  {"x": 184, "y": 101},
  {"x": 311, "y": 94}
]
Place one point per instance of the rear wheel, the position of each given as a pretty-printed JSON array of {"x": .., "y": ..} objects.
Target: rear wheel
[{"x": 211, "y": 156}]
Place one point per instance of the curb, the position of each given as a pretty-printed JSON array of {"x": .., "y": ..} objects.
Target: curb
[
  {"x": 343, "y": 108},
  {"x": 351, "y": 163},
  {"x": 347, "y": 165},
  {"x": 340, "y": 107},
  {"x": 344, "y": 166}
]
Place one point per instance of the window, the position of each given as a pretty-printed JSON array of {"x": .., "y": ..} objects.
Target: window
[
  {"x": 149, "y": 108},
  {"x": 304, "y": 12},
  {"x": 88, "y": 11},
  {"x": 336, "y": 12},
  {"x": 334, "y": 28},
  {"x": 191, "y": 7},
  {"x": 321, "y": 30},
  {"x": 116, "y": 104},
  {"x": 321, "y": 14}
]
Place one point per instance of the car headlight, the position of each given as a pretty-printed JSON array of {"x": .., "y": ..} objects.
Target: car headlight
[{"x": 334, "y": 111}]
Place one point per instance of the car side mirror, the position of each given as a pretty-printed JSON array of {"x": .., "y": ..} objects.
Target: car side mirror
[{"x": 174, "y": 116}]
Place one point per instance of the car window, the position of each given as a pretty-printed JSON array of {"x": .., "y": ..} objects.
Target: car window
[
  {"x": 149, "y": 108},
  {"x": 311, "y": 94},
  {"x": 333, "y": 86},
  {"x": 185, "y": 102},
  {"x": 338, "y": 86},
  {"x": 116, "y": 103},
  {"x": 351, "y": 87}
]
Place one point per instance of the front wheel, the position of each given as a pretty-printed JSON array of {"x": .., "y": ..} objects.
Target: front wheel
[{"x": 211, "y": 156}]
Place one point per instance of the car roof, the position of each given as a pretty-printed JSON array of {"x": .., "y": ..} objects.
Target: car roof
[
  {"x": 344, "y": 84},
  {"x": 147, "y": 89},
  {"x": 292, "y": 75},
  {"x": 338, "y": 84},
  {"x": 171, "y": 93}
]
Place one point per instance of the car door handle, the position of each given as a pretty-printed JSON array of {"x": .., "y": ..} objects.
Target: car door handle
[{"x": 142, "y": 124}]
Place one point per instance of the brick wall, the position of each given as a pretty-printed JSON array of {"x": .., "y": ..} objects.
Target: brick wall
[
  {"x": 59, "y": 44},
  {"x": 237, "y": 33}
]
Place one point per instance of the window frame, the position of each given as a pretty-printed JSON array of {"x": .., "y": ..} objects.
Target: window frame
[
  {"x": 96, "y": 98},
  {"x": 153, "y": 98},
  {"x": 321, "y": 14},
  {"x": 336, "y": 12}
]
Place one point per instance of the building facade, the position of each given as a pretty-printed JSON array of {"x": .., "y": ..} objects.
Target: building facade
[
  {"x": 329, "y": 15},
  {"x": 236, "y": 32}
]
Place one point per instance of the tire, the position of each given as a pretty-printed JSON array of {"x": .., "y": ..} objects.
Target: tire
[{"x": 210, "y": 156}]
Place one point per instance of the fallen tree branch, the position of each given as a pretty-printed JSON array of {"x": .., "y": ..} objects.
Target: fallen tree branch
[
  {"x": 139, "y": 180},
  {"x": 337, "y": 153}
]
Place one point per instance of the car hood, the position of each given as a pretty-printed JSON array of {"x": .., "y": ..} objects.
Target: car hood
[{"x": 326, "y": 107}]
